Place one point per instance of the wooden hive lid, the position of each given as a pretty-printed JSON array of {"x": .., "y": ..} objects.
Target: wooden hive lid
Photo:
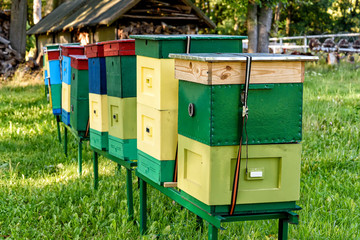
[
  {"x": 79, "y": 62},
  {"x": 94, "y": 50},
  {"x": 119, "y": 47},
  {"x": 229, "y": 68},
  {"x": 67, "y": 50}
]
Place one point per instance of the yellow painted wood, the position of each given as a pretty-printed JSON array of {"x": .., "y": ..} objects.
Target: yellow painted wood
[
  {"x": 216, "y": 73},
  {"x": 98, "y": 112},
  {"x": 207, "y": 173},
  {"x": 65, "y": 97},
  {"x": 157, "y": 132},
  {"x": 156, "y": 85},
  {"x": 122, "y": 117}
]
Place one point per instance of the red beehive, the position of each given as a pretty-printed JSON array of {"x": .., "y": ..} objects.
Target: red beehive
[
  {"x": 119, "y": 47},
  {"x": 94, "y": 50},
  {"x": 79, "y": 62},
  {"x": 53, "y": 54},
  {"x": 72, "y": 50}
]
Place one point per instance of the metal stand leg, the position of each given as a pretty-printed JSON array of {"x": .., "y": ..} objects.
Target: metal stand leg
[
  {"x": 129, "y": 190},
  {"x": 80, "y": 157},
  {"x": 58, "y": 127},
  {"x": 283, "y": 229},
  {"x": 142, "y": 207},
  {"x": 199, "y": 223},
  {"x": 118, "y": 172},
  {"x": 65, "y": 141},
  {"x": 96, "y": 170},
  {"x": 213, "y": 232}
]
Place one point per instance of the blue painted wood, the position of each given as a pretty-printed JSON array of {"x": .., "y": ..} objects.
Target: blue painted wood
[
  {"x": 46, "y": 78},
  {"x": 97, "y": 75},
  {"x": 66, "y": 69},
  {"x": 54, "y": 72},
  {"x": 65, "y": 117}
]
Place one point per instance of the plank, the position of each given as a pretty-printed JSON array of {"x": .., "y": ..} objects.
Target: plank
[
  {"x": 170, "y": 184},
  {"x": 234, "y": 72}
]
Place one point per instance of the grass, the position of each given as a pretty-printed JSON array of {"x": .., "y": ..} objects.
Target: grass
[{"x": 42, "y": 197}]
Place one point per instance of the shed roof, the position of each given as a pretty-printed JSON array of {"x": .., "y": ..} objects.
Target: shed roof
[{"x": 83, "y": 13}]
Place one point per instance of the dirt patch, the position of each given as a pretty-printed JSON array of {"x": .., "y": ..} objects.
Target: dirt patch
[{"x": 24, "y": 76}]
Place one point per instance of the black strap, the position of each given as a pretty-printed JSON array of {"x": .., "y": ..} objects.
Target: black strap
[{"x": 244, "y": 117}]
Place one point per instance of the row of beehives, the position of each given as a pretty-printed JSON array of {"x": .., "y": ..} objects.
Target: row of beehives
[{"x": 127, "y": 96}]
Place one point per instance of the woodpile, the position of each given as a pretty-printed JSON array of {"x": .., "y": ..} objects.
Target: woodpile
[
  {"x": 139, "y": 28},
  {"x": 9, "y": 58}
]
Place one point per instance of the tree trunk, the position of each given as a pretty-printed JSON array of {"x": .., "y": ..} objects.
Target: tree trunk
[
  {"x": 252, "y": 26},
  {"x": 277, "y": 18},
  {"x": 288, "y": 20},
  {"x": 265, "y": 19},
  {"x": 18, "y": 26},
  {"x": 37, "y": 11}
]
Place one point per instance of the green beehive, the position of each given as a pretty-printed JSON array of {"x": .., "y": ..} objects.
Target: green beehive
[
  {"x": 79, "y": 101},
  {"x": 274, "y": 99},
  {"x": 275, "y": 113},
  {"x": 121, "y": 76},
  {"x": 160, "y": 46}
]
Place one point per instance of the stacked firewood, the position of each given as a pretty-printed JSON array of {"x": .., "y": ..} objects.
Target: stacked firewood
[
  {"x": 9, "y": 58},
  {"x": 139, "y": 28}
]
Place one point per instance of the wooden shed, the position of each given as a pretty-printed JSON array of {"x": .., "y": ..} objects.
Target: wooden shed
[{"x": 94, "y": 21}]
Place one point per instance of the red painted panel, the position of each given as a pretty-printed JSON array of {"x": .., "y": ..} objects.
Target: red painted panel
[
  {"x": 72, "y": 50},
  {"x": 79, "y": 62}
]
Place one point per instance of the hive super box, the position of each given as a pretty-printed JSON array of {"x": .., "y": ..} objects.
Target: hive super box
[
  {"x": 66, "y": 51},
  {"x": 79, "y": 100},
  {"x": 55, "y": 80},
  {"x": 157, "y": 96},
  {"x": 210, "y": 108},
  {"x": 121, "y": 89},
  {"x": 97, "y": 96}
]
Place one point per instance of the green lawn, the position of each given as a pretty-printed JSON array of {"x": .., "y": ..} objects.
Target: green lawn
[{"x": 42, "y": 196}]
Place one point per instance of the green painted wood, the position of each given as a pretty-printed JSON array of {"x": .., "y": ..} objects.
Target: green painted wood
[
  {"x": 79, "y": 83},
  {"x": 56, "y": 96},
  {"x": 79, "y": 114},
  {"x": 275, "y": 113},
  {"x": 212, "y": 232},
  {"x": 160, "y": 46},
  {"x": 143, "y": 214},
  {"x": 96, "y": 169},
  {"x": 243, "y": 208},
  {"x": 99, "y": 140},
  {"x": 122, "y": 162},
  {"x": 123, "y": 148},
  {"x": 121, "y": 76},
  {"x": 156, "y": 170}
]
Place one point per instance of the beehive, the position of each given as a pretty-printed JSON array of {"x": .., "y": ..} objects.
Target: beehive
[
  {"x": 79, "y": 100},
  {"x": 65, "y": 97},
  {"x": 121, "y": 89},
  {"x": 55, "y": 80},
  {"x": 210, "y": 108},
  {"x": 157, "y": 95},
  {"x": 66, "y": 51},
  {"x": 97, "y": 96},
  {"x": 207, "y": 172}
]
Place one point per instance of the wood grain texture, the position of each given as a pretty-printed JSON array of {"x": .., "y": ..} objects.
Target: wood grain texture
[
  {"x": 170, "y": 184},
  {"x": 234, "y": 72}
]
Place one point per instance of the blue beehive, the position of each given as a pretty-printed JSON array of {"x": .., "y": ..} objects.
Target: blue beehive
[{"x": 97, "y": 75}]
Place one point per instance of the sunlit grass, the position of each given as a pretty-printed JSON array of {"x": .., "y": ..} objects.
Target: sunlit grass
[{"x": 42, "y": 196}]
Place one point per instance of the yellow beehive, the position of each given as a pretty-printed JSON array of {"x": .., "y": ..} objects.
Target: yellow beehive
[
  {"x": 65, "y": 96},
  {"x": 157, "y": 132},
  {"x": 207, "y": 173},
  {"x": 98, "y": 112},
  {"x": 156, "y": 85},
  {"x": 122, "y": 117}
]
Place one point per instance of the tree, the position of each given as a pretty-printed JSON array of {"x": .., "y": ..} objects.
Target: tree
[
  {"x": 37, "y": 11},
  {"x": 259, "y": 19},
  {"x": 18, "y": 25}
]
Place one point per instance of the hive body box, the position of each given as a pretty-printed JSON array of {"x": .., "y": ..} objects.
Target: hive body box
[
  {"x": 121, "y": 89},
  {"x": 79, "y": 100},
  {"x": 55, "y": 80},
  {"x": 210, "y": 108},
  {"x": 66, "y": 51},
  {"x": 157, "y": 96},
  {"x": 97, "y": 96}
]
